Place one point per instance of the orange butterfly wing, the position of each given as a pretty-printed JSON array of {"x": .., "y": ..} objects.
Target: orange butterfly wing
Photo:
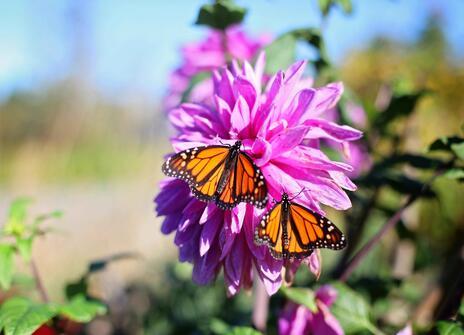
[
  {"x": 246, "y": 184},
  {"x": 200, "y": 167},
  {"x": 269, "y": 231},
  {"x": 310, "y": 230},
  {"x": 298, "y": 233}
]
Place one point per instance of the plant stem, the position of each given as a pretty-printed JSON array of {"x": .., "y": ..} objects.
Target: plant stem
[
  {"x": 353, "y": 264},
  {"x": 260, "y": 305},
  {"x": 38, "y": 282}
]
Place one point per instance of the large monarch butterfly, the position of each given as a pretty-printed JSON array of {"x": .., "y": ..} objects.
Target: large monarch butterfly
[
  {"x": 293, "y": 231},
  {"x": 220, "y": 173}
]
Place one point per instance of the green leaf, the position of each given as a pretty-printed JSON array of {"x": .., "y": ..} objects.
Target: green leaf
[
  {"x": 6, "y": 265},
  {"x": 398, "y": 182},
  {"x": 352, "y": 311},
  {"x": 280, "y": 54},
  {"x": 80, "y": 309},
  {"x": 454, "y": 173},
  {"x": 449, "y": 328},
  {"x": 221, "y": 14},
  {"x": 400, "y": 106},
  {"x": 346, "y": 6},
  {"x": 324, "y": 6},
  {"x": 417, "y": 161},
  {"x": 445, "y": 143},
  {"x": 15, "y": 224},
  {"x": 458, "y": 149},
  {"x": 301, "y": 296},
  {"x": 243, "y": 331},
  {"x": 77, "y": 288},
  {"x": 20, "y": 316},
  {"x": 25, "y": 248}
]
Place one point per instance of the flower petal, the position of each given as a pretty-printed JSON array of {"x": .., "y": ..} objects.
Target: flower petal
[{"x": 324, "y": 129}]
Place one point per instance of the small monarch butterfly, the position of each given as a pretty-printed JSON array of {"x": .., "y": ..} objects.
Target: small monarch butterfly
[
  {"x": 293, "y": 231},
  {"x": 220, "y": 173}
]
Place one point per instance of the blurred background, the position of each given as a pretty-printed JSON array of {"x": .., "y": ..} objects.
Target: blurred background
[{"x": 82, "y": 131}]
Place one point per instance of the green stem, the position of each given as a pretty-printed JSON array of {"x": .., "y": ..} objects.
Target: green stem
[{"x": 38, "y": 282}]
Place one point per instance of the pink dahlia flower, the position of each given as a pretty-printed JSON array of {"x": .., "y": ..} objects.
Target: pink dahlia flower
[
  {"x": 207, "y": 55},
  {"x": 280, "y": 127},
  {"x": 298, "y": 320}
]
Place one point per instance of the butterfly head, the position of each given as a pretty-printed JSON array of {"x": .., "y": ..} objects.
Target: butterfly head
[
  {"x": 284, "y": 196},
  {"x": 237, "y": 145}
]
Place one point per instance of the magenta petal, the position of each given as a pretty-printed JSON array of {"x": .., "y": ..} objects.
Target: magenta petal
[
  {"x": 233, "y": 265},
  {"x": 310, "y": 158},
  {"x": 240, "y": 116},
  {"x": 324, "y": 129},
  {"x": 223, "y": 83},
  {"x": 325, "y": 323},
  {"x": 261, "y": 151},
  {"x": 238, "y": 215},
  {"x": 327, "y": 294},
  {"x": 324, "y": 99},
  {"x": 314, "y": 262},
  {"x": 299, "y": 106},
  {"x": 406, "y": 330},
  {"x": 294, "y": 320},
  {"x": 209, "y": 231},
  {"x": 208, "y": 213},
  {"x": 170, "y": 223},
  {"x": 224, "y": 111},
  {"x": 287, "y": 140},
  {"x": 244, "y": 88},
  {"x": 206, "y": 268}
]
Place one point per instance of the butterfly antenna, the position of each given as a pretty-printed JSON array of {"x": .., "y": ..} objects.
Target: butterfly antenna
[{"x": 296, "y": 196}]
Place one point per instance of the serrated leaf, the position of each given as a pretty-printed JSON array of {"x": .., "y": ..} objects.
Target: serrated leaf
[
  {"x": 6, "y": 265},
  {"x": 449, "y": 328},
  {"x": 351, "y": 310},
  {"x": 280, "y": 54},
  {"x": 243, "y": 331},
  {"x": 301, "y": 296},
  {"x": 80, "y": 309},
  {"x": 20, "y": 316},
  {"x": 221, "y": 14}
]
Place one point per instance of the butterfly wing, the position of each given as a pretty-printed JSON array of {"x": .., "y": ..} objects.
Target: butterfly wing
[
  {"x": 200, "y": 167},
  {"x": 246, "y": 184},
  {"x": 309, "y": 230},
  {"x": 269, "y": 231}
]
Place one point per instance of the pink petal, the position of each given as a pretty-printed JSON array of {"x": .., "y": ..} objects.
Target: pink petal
[
  {"x": 287, "y": 140},
  {"x": 324, "y": 129},
  {"x": 240, "y": 118},
  {"x": 325, "y": 323}
]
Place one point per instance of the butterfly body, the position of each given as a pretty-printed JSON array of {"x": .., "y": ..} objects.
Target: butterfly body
[
  {"x": 220, "y": 173},
  {"x": 291, "y": 230}
]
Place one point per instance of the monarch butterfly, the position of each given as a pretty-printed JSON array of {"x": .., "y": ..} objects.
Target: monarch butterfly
[
  {"x": 293, "y": 231},
  {"x": 220, "y": 173}
]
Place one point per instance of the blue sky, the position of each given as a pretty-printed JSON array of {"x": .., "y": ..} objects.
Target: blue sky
[{"x": 131, "y": 45}]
